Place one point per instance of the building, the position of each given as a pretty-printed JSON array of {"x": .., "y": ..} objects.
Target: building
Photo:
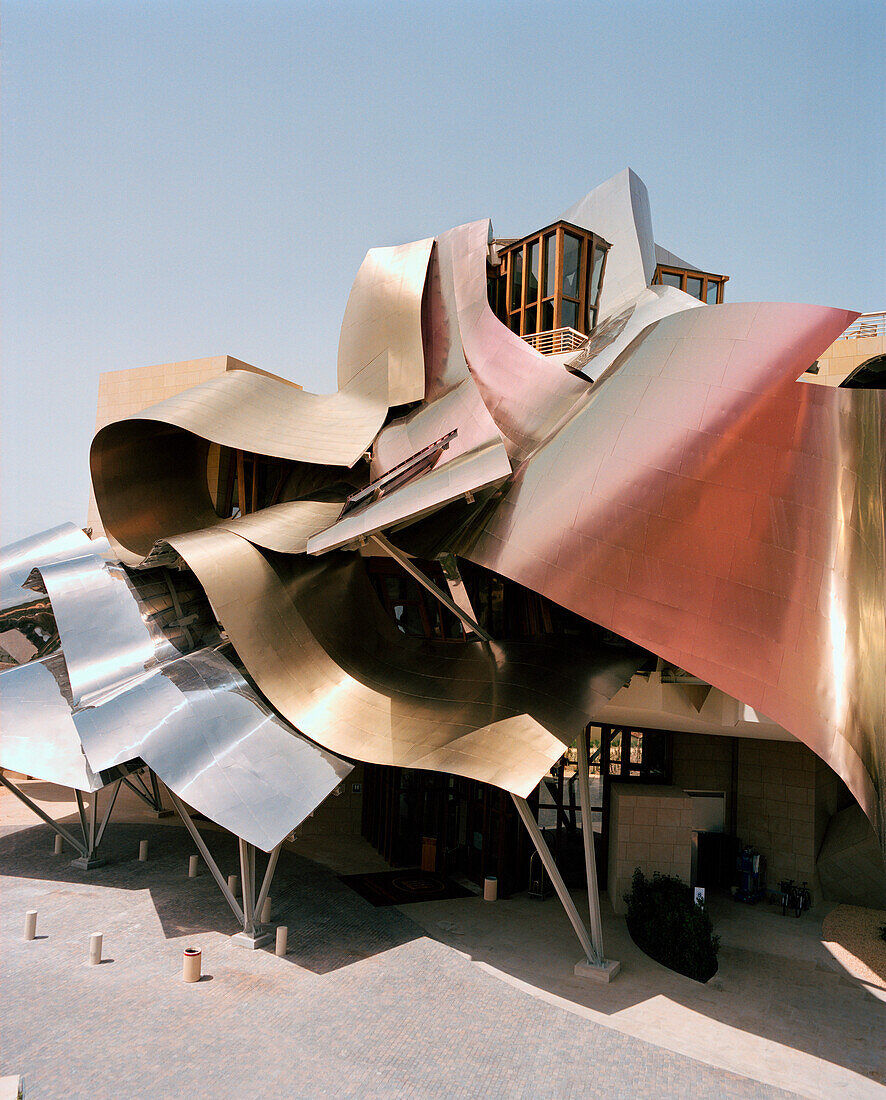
[{"x": 569, "y": 544}]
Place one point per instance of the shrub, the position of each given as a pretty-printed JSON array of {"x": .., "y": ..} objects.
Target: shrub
[
  {"x": 665, "y": 922},
  {"x": 883, "y": 932}
]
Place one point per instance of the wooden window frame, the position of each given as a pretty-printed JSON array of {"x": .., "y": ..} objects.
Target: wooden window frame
[
  {"x": 589, "y": 243},
  {"x": 685, "y": 273}
]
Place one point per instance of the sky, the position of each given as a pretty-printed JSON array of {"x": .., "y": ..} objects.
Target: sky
[{"x": 195, "y": 178}]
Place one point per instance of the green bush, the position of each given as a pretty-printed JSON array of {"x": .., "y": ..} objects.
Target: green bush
[{"x": 665, "y": 922}]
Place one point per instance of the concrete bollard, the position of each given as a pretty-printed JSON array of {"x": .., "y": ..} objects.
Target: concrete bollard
[
  {"x": 57, "y": 846},
  {"x": 30, "y": 924},
  {"x": 143, "y": 851},
  {"x": 490, "y": 888},
  {"x": 192, "y": 962},
  {"x": 234, "y": 884},
  {"x": 266, "y": 911},
  {"x": 193, "y": 866},
  {"x": 95, "y": 948},
  {"x": 282, "y": 937}
]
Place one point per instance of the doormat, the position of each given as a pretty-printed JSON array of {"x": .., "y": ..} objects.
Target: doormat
[{"x": 404, "y": 887}]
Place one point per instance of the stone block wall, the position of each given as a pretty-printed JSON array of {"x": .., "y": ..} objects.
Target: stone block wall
[
  {"x": 650, "y": 827},
  {"x": 776, "y": 807},
  {"x": 704, "y": 762}
]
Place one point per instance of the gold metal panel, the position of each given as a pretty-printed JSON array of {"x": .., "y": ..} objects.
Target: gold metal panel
[
  {"x": 383, "y": 317},
  {"x": 318, "y": 644}
]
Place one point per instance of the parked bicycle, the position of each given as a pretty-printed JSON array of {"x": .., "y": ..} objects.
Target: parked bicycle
[{"x": 793, "y": 897}]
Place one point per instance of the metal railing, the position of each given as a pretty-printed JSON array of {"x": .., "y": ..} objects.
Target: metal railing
[
  {"x": 557, "y": 342},
  {"x": 869, "y": 324}
]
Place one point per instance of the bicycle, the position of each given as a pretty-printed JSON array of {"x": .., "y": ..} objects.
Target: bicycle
[{"x": 793, "y": 897}]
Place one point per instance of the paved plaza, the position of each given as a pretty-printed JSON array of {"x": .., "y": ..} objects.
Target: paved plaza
[{"x": 368, "y": 1003}]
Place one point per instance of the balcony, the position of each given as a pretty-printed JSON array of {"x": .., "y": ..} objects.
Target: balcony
[
  {"x": 868, "y": 324},
  {"x": 557, "y": 342}
]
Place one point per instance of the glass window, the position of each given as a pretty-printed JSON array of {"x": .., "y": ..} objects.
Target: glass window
[
  {"x": 571, "y": 261},
  {"x": 532, "y": 273},
  {"x": 515, "y": 323},
  {"x": 531, "y": 316},
  {"x": 547, "y": 316},
  {"x": 693, "y": 286},
  {"x": 597, "y": 271},
  {"x": 550, "y": 264},
  {"x": 516, "y": 279},
  {"x": 569, "y": 314},
  {"x": 672, "y": 278},
  {"x": 713, "y": 287}
]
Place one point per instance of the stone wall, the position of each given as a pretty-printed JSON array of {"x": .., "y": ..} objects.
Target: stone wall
[
  {"x": 650, "y": 827},
  {"x": 704, "y": 762},
  {"x": 776, "y": 807}
]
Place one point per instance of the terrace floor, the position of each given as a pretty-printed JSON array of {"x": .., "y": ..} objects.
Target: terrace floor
[{"x": 453, "y": 998}]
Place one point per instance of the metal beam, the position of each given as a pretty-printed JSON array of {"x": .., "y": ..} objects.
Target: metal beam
[
  {"x": 84, "y": 827},
  {"x": 587, "y": 836},
  {"x": 554, "y": 875},
  {"x": 107, "y": 817},
  {"x": 155, "y": 787},
  {"x": 247, "y": 881},
  {"x": 267, "y": 880},
  {"x": 60, "y": 829},
  {"x": 382, "y": 543},
  {"x": 146, "y": 798},
  {"x": 207, "y": 857}
]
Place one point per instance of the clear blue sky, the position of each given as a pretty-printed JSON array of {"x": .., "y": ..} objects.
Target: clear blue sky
[{"x": 184, "y": 179}]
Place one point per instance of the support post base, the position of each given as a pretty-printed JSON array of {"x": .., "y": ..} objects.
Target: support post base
[
  {"x": 604, "y": 972},
  {"x": 252, "y": 940},
  {"x": 84, "y": 863}
]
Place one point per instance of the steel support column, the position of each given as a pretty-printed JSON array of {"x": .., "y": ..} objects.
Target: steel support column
[
  {"x": 554, "y": 875},
  {"x": 402, "y": 560},
  {"x": 268, "y": 879},
  {"x": 220, "y": 881},
  {"x": 60, "y": 829},
  {"x": 587, "y": 836}
]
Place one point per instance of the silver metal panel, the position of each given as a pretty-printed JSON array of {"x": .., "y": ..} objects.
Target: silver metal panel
[
  {"x": 448, "y": 481},
  {"x": 122, "y": 692},
  {"x": 104, "y": 637},
  {"x": 19, "y": 558},
  {"x": 619, "y": 211},
  {"x": 37, "y": 732},
  {"x": 202, "y": 729}
]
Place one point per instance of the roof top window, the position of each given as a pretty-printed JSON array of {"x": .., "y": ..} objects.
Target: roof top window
[{"x": 549, "y": 283}]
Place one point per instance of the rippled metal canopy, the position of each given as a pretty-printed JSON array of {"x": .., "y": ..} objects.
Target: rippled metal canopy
[
  {"x": 118, "y": 691},
  {"x": 672, "y": 482}
]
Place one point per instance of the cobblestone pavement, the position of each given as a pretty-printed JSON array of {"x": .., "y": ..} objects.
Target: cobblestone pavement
[{"x": 365, "y": 1005}]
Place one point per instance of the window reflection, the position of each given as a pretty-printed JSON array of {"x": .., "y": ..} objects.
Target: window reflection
[{"x": 571, "y": 261}]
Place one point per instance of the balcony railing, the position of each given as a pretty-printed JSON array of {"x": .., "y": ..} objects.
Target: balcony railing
[
  {"x": 557, "y": 342},
  {"x": 869, "y": 324}
]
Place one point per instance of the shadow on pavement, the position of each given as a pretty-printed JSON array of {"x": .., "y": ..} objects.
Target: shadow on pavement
[{"x": 330, "y": 926}]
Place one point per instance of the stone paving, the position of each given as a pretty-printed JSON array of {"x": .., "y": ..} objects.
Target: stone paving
[{"x": 365, "y": 1005}]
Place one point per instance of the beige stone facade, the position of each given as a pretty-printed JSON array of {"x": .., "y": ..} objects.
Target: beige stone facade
[
  {"x": 845, "y": 354},
  {"x": 650, "y": 827},
  {"x": 780, "y": 799}
]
